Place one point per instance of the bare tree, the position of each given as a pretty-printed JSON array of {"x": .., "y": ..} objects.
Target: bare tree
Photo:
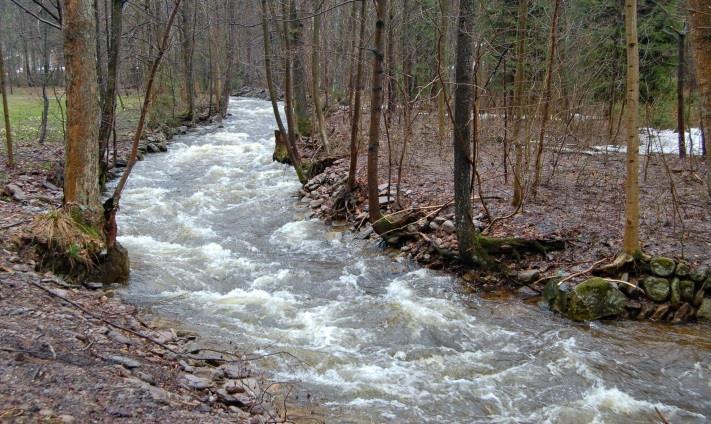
[
  {"x": 355, "y": 116},
  {"x": 700, "y": 20},
  {"x": 6, "y": 112},
  {"x": 630, "y": 244}
]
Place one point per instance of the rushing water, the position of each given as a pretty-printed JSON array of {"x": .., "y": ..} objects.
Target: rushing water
[{"x": 215, "y": 232}]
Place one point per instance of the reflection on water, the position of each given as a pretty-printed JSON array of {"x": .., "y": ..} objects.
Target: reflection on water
[{"x": 215, "y": 220}]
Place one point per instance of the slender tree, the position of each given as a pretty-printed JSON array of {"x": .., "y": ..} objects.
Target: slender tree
[
  {"x": 700, "y": 20},
  {"x": 462, "y": 132},
  {"x": 546, "y": 101},
  {"x": 358, "y": 90},
  {"x": 187, "y": 40},
  {"x": 315, "y": 78},
  {"x": 296, "y": 41},
  {"x": 108, "y": 99},
  {"x": 518, "y": 103},
  {"x": 680, "y": 81},
  {"x": 6, "y": 112},
  {"x": 630, "y": 244},
  {"x": 376, "y": 106}
]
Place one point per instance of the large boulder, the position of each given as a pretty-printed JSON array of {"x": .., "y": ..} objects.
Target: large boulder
[
  {"x": 704, "y": 311},
  {"x": 699, "y": 274},
  {"x": 594, "y": 299},
  {"x": 662, "y": 267},
  {"x": 656, "y": 288}
]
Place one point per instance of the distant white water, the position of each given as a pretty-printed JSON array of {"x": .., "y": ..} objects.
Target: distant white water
[
  {"x": 653, "y": 140},
  {"x": 215, "y": 221}
]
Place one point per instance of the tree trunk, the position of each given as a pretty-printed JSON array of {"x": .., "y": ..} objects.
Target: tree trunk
[
  {"x": 355, "y": 116},
  {"x": 45, "y": 79},
  {"x": 303, "y": 119},
  {"x": 462, "y": 132},
  {"x": 108, "y": 99},
  {"x": 187, "y": 40},
  {"x": 443, "y": 69},
  {"x": 99, "y": 55},
  {"x": 81, "y": 168},
  {"x": 6, "y": 113},
  {"x": 546, "y": 97},
  {"x": 315, "y": 78},
  {"x": 680, "y": 77},
  {"x": 700, "y": 20},
  {"x": 630, "y": 244},
  {"x": 376, "y": 104},
  {"x": 227, "y": 84},
  {"x": 517, "y": 106}
]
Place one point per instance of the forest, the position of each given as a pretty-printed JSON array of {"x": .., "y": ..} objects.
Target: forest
[{"x": 272, "y": 211}]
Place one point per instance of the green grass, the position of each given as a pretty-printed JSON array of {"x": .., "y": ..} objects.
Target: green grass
[{"x": 25, "y": 106}]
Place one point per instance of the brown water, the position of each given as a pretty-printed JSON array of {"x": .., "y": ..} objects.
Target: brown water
[{"x": 213, "y": 229}]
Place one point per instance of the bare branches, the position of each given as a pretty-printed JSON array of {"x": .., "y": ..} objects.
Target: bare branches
[{"x": 55, "y": 25}]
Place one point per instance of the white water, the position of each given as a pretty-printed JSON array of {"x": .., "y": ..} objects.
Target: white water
[{"x": 214, "y": 220}]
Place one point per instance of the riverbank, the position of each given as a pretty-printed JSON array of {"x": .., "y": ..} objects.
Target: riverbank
[
  {"x": 578, "y": 207},
  {"x": 78, "y": 353}
]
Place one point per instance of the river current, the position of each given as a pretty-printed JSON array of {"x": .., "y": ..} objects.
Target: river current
[{"x": 218, "y": 241}]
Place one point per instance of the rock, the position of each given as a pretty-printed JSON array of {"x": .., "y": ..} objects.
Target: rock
[
  {"x": 194, "y": 382},
  {"x": 683, "y": 313},
  {"x": 704, "y": 311},
  {"x": 236, "y": 400},
  {"x": 675, "y": 293},
  {"x": 93, "y": 285},
  {"x": 682, "y": 270},
  {"x": 66, "y": 419},
  {"x": 145, "y": 377},
  {"x": 556, "y": 295},
  {"x": 182, "y": 129},
  {"x": 162, "y": 146},
  {"x": 15, "y": 192},
  {"x": 185, "y": 366},
  {"x": 656, "y": 288},
  {"x": 316, "y": 203},
  {"x": 118, "y": 337},
  {"x": 698, "y": 275},
  {"x": 449, "y": 227},
  {"x": 660, "y": 312},
  {"x": 528, "y": 276},
  {"x": 383, "y": 200},
  {"x": 593, "y": 299},
  {"x": 686, "y": 290},
  {"x": 50, "y": 186},
  {"x": 114, "y": 266},
  {"x": 126, "y": 362},
  {"x": 209, "y": 373},
  {"x": 526, "y": 292},
  {"x": 433, "y": 225},
  {"x": 234, "y": 371},
  {"x": 233, "y": 387},
  {"x": 662, "y": 267}
]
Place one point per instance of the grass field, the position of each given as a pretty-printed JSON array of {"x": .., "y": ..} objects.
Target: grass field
[{"x": 25, "y": 106}]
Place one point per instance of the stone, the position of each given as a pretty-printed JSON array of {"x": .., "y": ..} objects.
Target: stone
[
  {"x": 383, "y": 200},
  {"x": 686, "y": 290},
  {"x": 593, "y": 299},
  {"x": 15, "y": 192},
  {"x": 316, "y": 203},
  {"x": 185, "y": 366},
  {"x": 183, "y": 129},
  {"x": 236, "y": 399},
  {"x": 194, "y": 382},
  {"x": 449, "y": 227},
  {"x": 145, "y": 377},
  {"x": 528, "y": 276},
  {"x": 556, "y": 295},
  {"x": 656, "y": 288},
  {"x": 118, "y": 337},
  {"x": 662, "y": 267},
  {"x": 126, "y": 362},
  {"x": 683, "y": 313},
  {"x": 682, "y": 270},
  {"x": 434, "y": 226},
  {"x": 698, "y": 275},
  {"x": 93, "y": 285},
  {"x": 114, "y": 266},
  {"x": 233, "y": 387},
  {"x": 162, "y": 146},
  {"x": 152, "y": 148},
  {"x": 704, "y": 311},
  {"x": 660, "y": 312},
  {"x": 209, "y": 373},
  {"x": 675, "y": 293},
  {"x": 526, "y": 292},
  {"x": 66, "y": 419}
]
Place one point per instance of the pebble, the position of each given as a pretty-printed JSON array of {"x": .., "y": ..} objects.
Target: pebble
[
  {"x": 126, "y": 362},
  {"x": 448, "y": 226},
  {"x": 118, "y": 337},
  {"x": 194, "y": 382}
]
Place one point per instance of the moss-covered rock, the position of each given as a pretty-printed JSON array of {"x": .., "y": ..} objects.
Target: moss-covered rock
[
  {"x": 594, "y": 299},
  {"x": 675, "y": 292},
  {"x": 698, "y": 275},
  {"x": 556, "y": 295},
  {"x": 686, "y": 289},
  {"x": 682, "y": 270},
  {"x": 704, "y": 311},
  {"x": 662, "y": 267},
  {"x": 656, "y": 288}
]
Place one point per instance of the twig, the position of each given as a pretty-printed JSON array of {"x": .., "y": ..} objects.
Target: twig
[
  {"x": 581, "y": 272},
  {"x": 661, "y": 416},
  {"x": 5, "y": 227}
]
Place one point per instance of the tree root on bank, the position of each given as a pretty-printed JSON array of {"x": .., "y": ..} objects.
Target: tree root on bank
[{"x": 622, "y": 263}]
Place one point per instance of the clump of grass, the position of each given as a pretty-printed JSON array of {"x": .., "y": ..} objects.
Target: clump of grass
[{"x": 64, "y": 243}]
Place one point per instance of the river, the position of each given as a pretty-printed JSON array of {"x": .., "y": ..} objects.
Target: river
[{"x": 215, "y": 233}]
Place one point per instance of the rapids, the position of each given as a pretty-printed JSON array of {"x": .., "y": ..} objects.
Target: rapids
[{"x": 216, "y": 235}]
